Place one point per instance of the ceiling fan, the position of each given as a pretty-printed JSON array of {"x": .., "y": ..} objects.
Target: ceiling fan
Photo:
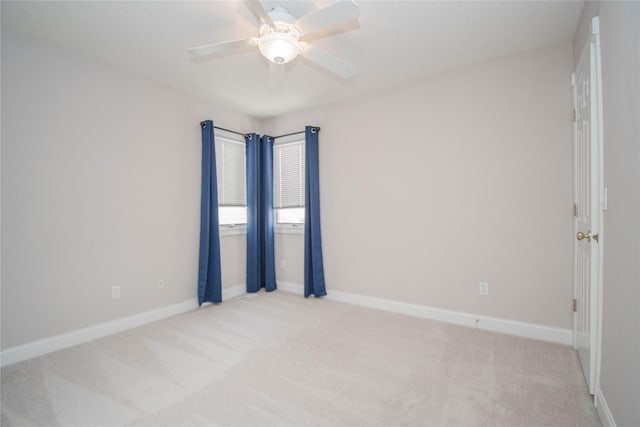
[{"x": 283, "y": 36}]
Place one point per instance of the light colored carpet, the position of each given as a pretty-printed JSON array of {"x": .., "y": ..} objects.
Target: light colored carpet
[{"x": 279, "y": 359}]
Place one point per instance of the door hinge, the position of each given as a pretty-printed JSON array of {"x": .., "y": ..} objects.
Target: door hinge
[
  {"x": 575, "y": 116},
  {"x": 575, "y": 305}
]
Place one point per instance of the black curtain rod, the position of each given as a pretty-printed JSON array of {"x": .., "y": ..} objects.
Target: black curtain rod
[
  {"x": 232, "y": 131},
  {"x": 226, "y": 130},
  {"x": 314, "y": 130}
]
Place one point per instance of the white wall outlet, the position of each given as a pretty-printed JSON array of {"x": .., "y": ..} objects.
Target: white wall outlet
[
  {"x": 161, "y": 283},
  {"x": 484, "y": 288},
  {"x": 115, "y": 292},
  {"x": 283, "y": 264}
]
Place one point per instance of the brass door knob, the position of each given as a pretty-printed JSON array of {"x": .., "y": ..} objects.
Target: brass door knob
[{"x": 580, "y": 235}]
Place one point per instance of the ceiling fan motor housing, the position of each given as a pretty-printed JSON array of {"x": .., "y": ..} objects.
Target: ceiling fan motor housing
[{"x": 281, "y": 14}]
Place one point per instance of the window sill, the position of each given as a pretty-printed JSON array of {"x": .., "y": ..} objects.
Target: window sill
[
  {"x": 289, "y": 229},
  {"x": 233, "y": 230},
  {"x": 237, "y": 230}
]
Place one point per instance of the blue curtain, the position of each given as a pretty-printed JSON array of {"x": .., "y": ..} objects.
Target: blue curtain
[
  {"x": 260, "y": 251},
  {"x": 209, "y": 271},
  {"x": 266, "y": 208},
  {"x": 313, "y": 264}
]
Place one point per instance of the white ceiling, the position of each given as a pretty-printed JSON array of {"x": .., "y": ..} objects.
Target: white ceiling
[{"x": 393, "y": 41}]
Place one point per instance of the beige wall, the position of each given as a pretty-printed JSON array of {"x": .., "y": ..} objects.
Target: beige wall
[
  {"x": 431, "y": 187},
  {"x": 100, "y": 187},
  {"x": 620, "y": 375},
  {"x": 233, "y": 260},
  {"x": 289, "y": 253},
  {"x": 477, "y": 158}
]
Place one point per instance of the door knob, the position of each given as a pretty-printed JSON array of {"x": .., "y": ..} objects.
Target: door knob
[{"x": 580, "y": 235}]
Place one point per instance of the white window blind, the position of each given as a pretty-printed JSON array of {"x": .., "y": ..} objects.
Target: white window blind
[
  {"x": 231, "y": 172},
  {"x": 288, "y": 175}
]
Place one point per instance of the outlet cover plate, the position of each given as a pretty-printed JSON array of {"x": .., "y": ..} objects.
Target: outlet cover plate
[{"x": 484, "y": 288}]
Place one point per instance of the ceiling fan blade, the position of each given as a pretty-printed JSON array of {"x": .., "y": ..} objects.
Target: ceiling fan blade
[
  {"x": 330, "y": 62},
  {"x": 259, "y": 11},
  {"x": 333, "y": 31},
  {"x": 334, "y": 14},
  {"x": 210, "y": 49}
]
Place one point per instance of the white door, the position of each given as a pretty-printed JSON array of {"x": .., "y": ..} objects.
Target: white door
[{"x": 588, "y": 206}]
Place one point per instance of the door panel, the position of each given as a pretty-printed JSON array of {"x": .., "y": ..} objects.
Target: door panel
[{"x": 587, "y": 171}]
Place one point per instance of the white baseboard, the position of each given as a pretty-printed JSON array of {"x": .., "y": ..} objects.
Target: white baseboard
[
  {"x": 233, "y": 291},
  {"x": 290, "y": 287},
  {"x": 604, "y": 413},
  {"x": 59, "y": 342},
  {"x": 528, "y": 330}
]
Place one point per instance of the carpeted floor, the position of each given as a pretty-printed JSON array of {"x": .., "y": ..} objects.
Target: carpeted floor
[{"x": 279, "y": 359}]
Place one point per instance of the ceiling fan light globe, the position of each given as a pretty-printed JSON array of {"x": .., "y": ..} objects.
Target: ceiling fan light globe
[{"x": 279, "y": 48}]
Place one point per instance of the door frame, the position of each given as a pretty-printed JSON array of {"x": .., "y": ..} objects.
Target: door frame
[{"x": 597, "y": 174}]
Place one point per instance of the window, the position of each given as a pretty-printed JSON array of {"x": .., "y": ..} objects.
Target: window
[
  {"x": 288, "y": 182},
  {"x": 231, "y": 176}
]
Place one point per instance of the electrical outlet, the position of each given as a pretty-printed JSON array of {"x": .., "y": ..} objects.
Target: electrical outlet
[
  {"x": 283, "y": 264},
  {"x": 115, "y": 292},
  {"x": 161, "y": 283},
  {"x": 484, "y": 288}
]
